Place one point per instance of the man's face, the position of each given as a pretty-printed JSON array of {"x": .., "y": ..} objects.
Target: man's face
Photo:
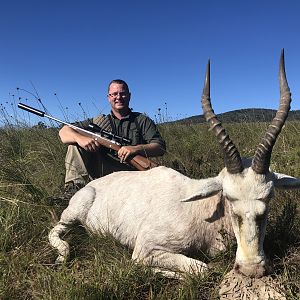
[{"x": 118, "y": 97}]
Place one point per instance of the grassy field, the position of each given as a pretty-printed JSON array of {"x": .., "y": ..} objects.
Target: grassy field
[{"x": 32, "y": 170}]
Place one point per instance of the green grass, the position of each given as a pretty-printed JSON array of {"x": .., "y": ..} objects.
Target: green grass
[{"x": 32, "y": 169}]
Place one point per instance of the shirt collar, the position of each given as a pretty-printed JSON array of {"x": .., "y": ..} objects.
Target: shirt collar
[{"x": 124, "y": 118}]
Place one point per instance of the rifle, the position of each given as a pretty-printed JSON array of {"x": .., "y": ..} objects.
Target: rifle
[{"x": 104, "y": 138}]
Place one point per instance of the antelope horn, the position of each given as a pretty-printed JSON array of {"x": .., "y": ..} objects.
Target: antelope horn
[
  {"x": 262, "y": 157},
  {"x": 232, "y": 157}
]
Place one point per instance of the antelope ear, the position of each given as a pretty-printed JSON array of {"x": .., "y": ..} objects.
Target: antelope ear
[
  {"x": 286, "y": 182},
  {"x": 207, "y": 187}
]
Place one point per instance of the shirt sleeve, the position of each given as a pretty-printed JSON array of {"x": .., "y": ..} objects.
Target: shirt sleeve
[{"x": 150, "y": 131}]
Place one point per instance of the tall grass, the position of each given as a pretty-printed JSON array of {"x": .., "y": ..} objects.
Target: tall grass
[{"x": 32, "y": 169}]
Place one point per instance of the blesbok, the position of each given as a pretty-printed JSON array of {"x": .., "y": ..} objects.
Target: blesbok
[{"x": 165, "y": 216}]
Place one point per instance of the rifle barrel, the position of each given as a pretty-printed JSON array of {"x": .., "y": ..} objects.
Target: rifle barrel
[
  {"x": 31, "y": 109},
  {"x": 43, "y": 114}
]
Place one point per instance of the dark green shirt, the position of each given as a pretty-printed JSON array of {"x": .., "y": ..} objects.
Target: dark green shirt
[{"x": 139, "y": 128}]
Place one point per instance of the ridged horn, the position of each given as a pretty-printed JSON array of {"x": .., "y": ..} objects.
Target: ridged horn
[
  {"x": 262, "y": 157},
  {"x": 232, "y": 157}
]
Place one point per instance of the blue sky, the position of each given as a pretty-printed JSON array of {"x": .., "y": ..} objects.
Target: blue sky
[{"x": 74, "y": 48}]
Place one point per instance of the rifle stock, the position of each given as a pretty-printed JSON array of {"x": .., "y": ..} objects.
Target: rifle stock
[{"x": 139, "y": 162}]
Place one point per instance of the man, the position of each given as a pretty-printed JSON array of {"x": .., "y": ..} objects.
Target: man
[{"x": 86, "y": 159}]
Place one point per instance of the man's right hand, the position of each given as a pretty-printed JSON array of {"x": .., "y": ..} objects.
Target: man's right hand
[
  {"x": 87, "y": 143},
  {"x": 71, "y": 136}
]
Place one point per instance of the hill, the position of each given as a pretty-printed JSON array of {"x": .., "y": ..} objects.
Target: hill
[{"x": 243, "y": 115}]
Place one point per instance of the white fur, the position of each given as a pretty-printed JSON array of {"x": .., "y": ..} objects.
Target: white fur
[{"x": 150, "y": 212}]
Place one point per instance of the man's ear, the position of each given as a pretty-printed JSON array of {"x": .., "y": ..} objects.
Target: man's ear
[
  {"x": 283, "y": 181},
  {"x": 207, "y": 187}
]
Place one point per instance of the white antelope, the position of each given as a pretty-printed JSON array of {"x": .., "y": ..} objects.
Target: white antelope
[{"x": 165, "y": 216}]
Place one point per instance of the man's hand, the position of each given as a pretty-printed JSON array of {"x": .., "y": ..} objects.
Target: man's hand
[
  {"x": 146, "y": 150},
  {"x": 70, "y": 136},
  {"x": 126, "y": 152},
  {"x": 87, "y": 143}
]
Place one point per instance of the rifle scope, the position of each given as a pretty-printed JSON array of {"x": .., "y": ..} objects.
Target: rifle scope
[{"x": 95, "y": 128}]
